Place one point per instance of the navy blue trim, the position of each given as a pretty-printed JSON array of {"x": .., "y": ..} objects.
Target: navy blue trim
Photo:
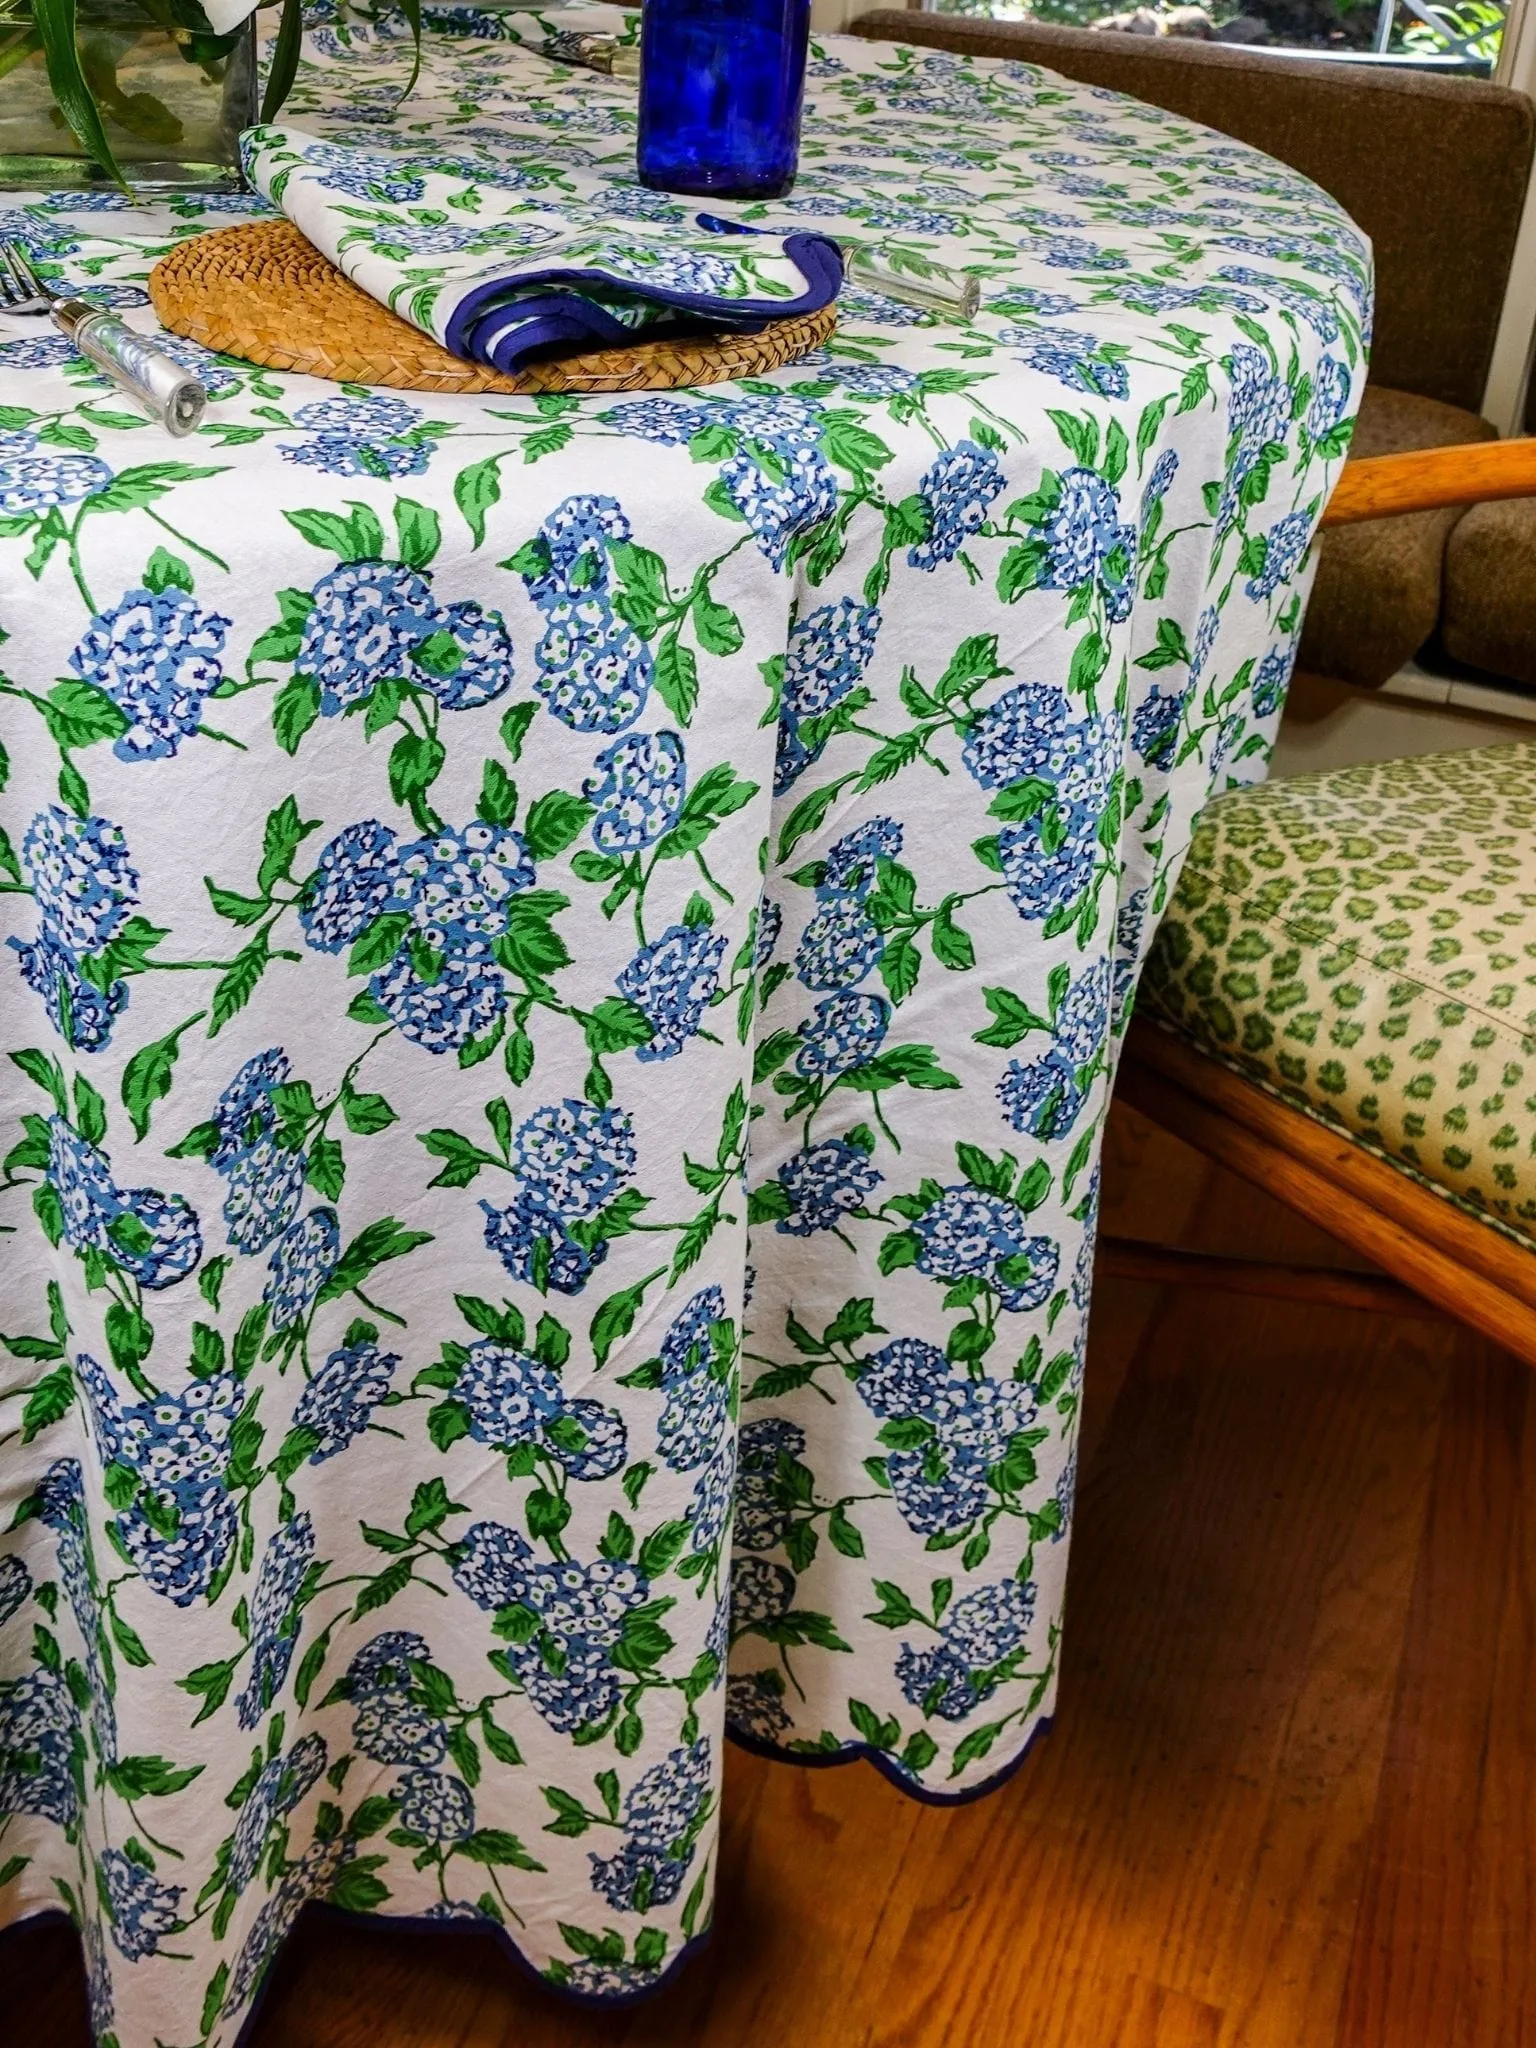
[
  {"x": 861, "y": 1752},
  {"x": 820, "y": 259},
  {"x": 505, "y": 334},
  {"x": 586, "y": 2001},
  {"x": 853, "y": 1752},
  {"x": 487, "y": 317},
  {"x": 717, "y": 224},
  {"x": 561, "y": 316}
]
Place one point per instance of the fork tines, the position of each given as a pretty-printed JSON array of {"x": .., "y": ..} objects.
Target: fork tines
[{"x": 20, "y": 285}]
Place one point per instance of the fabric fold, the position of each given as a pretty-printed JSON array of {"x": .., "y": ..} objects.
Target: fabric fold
[{"x": 501, "y": 266}]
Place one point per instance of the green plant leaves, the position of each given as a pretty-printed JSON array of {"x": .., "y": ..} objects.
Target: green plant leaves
[
  {"x": 56, "y": 23},
  {"x": 285, "y": 60}
]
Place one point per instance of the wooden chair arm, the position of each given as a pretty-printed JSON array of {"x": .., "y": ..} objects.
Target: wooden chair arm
[{"x": 1423, "y": 479}]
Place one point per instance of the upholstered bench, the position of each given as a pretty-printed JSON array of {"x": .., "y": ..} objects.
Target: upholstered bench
[
  {"x": 1362, "y": 943},
  {"x": 1489, "y": 616},
  {"x": 1379, "y": 589}
]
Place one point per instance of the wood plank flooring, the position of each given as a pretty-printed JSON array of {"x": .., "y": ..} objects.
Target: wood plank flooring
[{"x": 1291, "y": 1798}]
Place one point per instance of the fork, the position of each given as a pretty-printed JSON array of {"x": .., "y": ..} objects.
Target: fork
[
  {"x": 151, "y": 377},
  {"x": 16, "y": 296}
]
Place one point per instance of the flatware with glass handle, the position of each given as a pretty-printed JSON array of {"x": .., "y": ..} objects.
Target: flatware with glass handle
[{"x": 154, "y": 380}]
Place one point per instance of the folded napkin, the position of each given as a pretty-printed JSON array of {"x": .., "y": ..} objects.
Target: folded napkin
[{"x": 499, "y": 261}]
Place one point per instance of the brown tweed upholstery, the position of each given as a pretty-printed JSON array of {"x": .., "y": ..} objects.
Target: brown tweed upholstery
[
  {"x": 1489, "y": 616},
  {"x": 1378, "y": 589},
  {"x": 1432, "y": 168}
]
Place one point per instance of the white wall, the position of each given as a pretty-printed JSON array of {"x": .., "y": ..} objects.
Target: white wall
[{"x": 1503, "y": 401}]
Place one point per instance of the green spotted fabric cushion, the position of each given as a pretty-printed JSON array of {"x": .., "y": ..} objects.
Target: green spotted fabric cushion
[{"x": 1363, "y": 942}]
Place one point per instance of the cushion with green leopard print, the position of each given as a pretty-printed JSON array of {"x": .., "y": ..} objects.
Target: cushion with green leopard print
[{"x": 1362, "y": 942}]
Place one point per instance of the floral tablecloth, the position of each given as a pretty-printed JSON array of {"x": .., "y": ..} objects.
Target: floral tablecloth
[{"x": 455, "y": 849}]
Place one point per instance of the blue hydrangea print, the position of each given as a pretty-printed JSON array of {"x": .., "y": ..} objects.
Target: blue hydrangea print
[
  {"x": 456, "y": 889},
  {"x": 157, "y": 656},
  {"x": 1285, "y": 545},
  {"x": 761, "y": 1514},
  {"x": 155, "y": 1238},
  {"x": 980, "y": 1632},
  {"x": 574, "y": 1158},
  {"x": 365, "y": 622},
  {"x": 579, "y": 1612},
  {"x": 852, "y": 864},
  {"x": 266, "y": 1178},
  {"x": 1041, "y": 1097},
  {"x": 537, "y": 1249},
  {"x": 1271, "y": 679},
  {"x": 37, "y": 480},
  {"x": 637, "y": 788},
  {"x": 371, "y": 436},
  {"x": 38, "y": 1730},
  {"x": 662, "y": 1818},
  {"x": 300, "y": 1265},
  {"x": 81, "y": 876},
  {"x": 462, "y": 1000},
  {"x": 15, "y": 1587},
  {"x": 672, "y": 981},
  {"x": 352, "y": 884},
  {"x": 845, "y": 1031},
  {"x": 1155, "y": 728},
  {"x": 467, "y": 661},
  {"x": 779, "y": 503},
  {"x": 697, "y": 1394},
  {"x": 839, "y": 945},
  {"x": 955, "y": 493},
  {"x": 824, "y": 1184},
  {"x": 1330, "y": 397},
  {"x": 436, "y": 1806},
  {"x": 1085, "y": 534},
  {"x": 670, "y": 422},
  {"x": 339, "y": 1401},
  {"x": 970, "y": 1234},
  {"x": 594, "y": 670},
  {"x": 828, "y": 653},
  {"x": 284, "y": 1568},
  {"x": 143, "y": 1910}
]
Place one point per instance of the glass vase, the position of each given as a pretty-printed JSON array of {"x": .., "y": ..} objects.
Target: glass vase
[
  {"x": 721, "y": 86},
  {"x": 173, "y": 100}
]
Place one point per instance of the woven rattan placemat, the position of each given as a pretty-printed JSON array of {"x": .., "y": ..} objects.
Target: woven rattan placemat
[{"x": 265, "y": 294}]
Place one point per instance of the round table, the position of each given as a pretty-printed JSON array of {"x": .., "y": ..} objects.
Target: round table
[{"x": 563, "y": 970}]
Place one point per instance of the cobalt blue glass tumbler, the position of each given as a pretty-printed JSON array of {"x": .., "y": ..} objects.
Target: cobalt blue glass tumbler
[{"x": 720, "y": 90}]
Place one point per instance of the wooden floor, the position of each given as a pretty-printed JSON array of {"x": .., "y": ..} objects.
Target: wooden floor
[{"x": 1291, "y": 1797}]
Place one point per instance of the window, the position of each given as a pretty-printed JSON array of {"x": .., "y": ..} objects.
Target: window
[{"x": 1462, "y": 36}]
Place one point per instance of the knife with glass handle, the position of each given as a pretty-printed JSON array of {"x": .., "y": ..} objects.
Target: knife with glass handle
[
  {"x": 912, "y": 279},
  {"x": 153, "y": 379},
  {"x": 594, "y": 53}
]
